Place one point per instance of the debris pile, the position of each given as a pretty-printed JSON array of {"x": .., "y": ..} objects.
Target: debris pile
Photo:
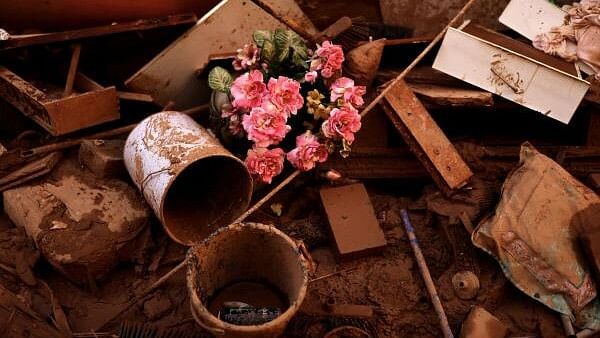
[{"x": 300, "y": 168}]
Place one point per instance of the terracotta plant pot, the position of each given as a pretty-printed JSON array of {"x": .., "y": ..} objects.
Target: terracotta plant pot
[
  {"x": 242, "y": 253},
  {"x": 193, "y": 184}
]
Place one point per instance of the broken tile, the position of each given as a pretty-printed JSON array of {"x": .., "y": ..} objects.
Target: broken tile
[{"x": 103, "y": 157}]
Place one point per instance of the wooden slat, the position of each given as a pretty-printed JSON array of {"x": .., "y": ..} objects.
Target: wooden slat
[
  {"x": 16, "y": 41},
  {"x": 426, "y": 139}
]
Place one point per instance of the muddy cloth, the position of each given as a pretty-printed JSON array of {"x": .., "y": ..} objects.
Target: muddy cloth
[
  {"x": 534, "y": 234},
  {"x": 582, "y": 26}
]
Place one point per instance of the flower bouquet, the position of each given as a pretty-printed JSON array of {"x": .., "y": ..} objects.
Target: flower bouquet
[{"x": 287, "y": 101}]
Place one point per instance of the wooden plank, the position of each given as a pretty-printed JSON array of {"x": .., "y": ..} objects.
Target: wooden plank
[
  {"x": 352, "y": 220},
  {"x": 171, "y": 76},
  {"x": 30, "y": 171},
  {"x": 454, "y": 97},
  {"x": 135, "y": 96},
  {"x": 16, "y": 41},
  {"x": 72, "y": 70},
  {"x": 426, "y": 139}
]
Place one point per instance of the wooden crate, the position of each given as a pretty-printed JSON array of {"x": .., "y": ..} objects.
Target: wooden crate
[{"x": 89, "y": 105}]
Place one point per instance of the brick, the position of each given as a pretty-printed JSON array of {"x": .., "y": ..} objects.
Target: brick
[
  {"x": 103, "y": 157},
  {"x": 352, "y": 220}
]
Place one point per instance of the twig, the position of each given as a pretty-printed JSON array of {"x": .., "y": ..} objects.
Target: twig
[
  {"x": 435, "y": 299},
  {"x": 332, "y": 274},
  {"x": 417, "y": 59},
  {"x": 72, "y": 70}
]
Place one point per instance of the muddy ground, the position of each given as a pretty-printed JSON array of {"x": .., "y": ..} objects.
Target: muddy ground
[{"x": 388, "y": 281}]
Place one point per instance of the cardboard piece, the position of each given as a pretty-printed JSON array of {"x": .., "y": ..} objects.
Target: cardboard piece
[{"x": 352, "y": 220}]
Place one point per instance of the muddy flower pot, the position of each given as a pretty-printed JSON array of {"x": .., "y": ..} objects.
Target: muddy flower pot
[
  {"x": 193, "y": 184},
  {"x": 250, "y": 263}
]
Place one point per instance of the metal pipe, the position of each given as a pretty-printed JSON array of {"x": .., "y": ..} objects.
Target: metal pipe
[{"x": 435, "y": 299}]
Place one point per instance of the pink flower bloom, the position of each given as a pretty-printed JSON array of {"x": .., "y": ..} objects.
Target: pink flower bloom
[
  {"x": 265, "y": 125},
  {"x": 248, "y": 90},
  {"x": 329, "y": 59},
  {"x": 311, "y": 76},
  {"x": 265, "y": 163},
  {"x": 344, "y": 88},
  {"x": 307, "y": 153},
  {"x": 342, "y": 123},
  {"x": 327, "y": 72},
  {"x": 285, "y": 94},
  {"x": 246, "y": 57}
]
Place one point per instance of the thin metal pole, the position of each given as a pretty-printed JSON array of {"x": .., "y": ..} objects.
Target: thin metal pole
[{"x": 435, "y": 299}]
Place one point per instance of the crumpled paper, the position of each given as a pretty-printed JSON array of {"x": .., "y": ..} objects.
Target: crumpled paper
[
  {"x": 582, "y": 26},
  {"x": 534, "y": 236}
]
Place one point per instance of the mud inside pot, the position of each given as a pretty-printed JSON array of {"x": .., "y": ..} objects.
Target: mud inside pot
[{"x": 204, "y": 197}]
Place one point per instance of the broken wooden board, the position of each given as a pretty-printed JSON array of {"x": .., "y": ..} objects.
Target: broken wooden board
[
  {"x": 425, "y": 139},
  {"x": 91, "y": 105},
  {"x": 30, "y": 171},
  {"x": 378, "y": 163},
  {"x": 513, "y": 70},
  {"x": 532, "y": 17},
  {"x": 444, "y": 96},
  {"x": 26, "y": 40},
  {"x": 2, "y": 149},
  {"x": 103, "y": 157},
  {"x": 171, "y": 76},
  {"x": 352, "y": 220}
]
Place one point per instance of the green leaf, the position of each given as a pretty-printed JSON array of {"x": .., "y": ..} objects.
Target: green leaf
[
  {"x": 219, "y": 79},
  {"x": 268, "y": 51},
  {"x": 260, "y": 36},
  {"x": 286, "y": 40}
]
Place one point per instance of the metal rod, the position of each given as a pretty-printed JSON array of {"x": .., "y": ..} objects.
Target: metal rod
[
  {"x": 435, "y": 299},
  {"x": 417, "y": 59},
  {"x": 103, "y": 134}
]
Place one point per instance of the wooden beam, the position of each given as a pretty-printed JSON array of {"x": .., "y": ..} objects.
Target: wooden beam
[
  {"x": 425, "y": 139},
  {"x": 453, "y": 97},
  {"x": 17, "y": 41}
]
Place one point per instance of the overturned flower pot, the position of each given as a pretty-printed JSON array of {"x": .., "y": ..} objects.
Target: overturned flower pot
[
  {"x": 251, "y": 264},
  {"x": 193, "y": 184}
]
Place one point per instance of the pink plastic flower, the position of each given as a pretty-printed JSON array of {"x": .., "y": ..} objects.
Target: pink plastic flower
[
  {"x": 265, "y": 163},
  {"x": 285, "y": 94},
  {"x": 234, "y": 116},
  {"x": 342, "y": 123},
  {"x": 307, "y": 153},
  {"x": 265, "y": 125},
  {"x": 246, "y": 57},
  {"x": 344, "y": 88},
  {"x": 311, "y": 76},
  {"x": 248, "y": 90},
  {"x": 329, "y": 59}
]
